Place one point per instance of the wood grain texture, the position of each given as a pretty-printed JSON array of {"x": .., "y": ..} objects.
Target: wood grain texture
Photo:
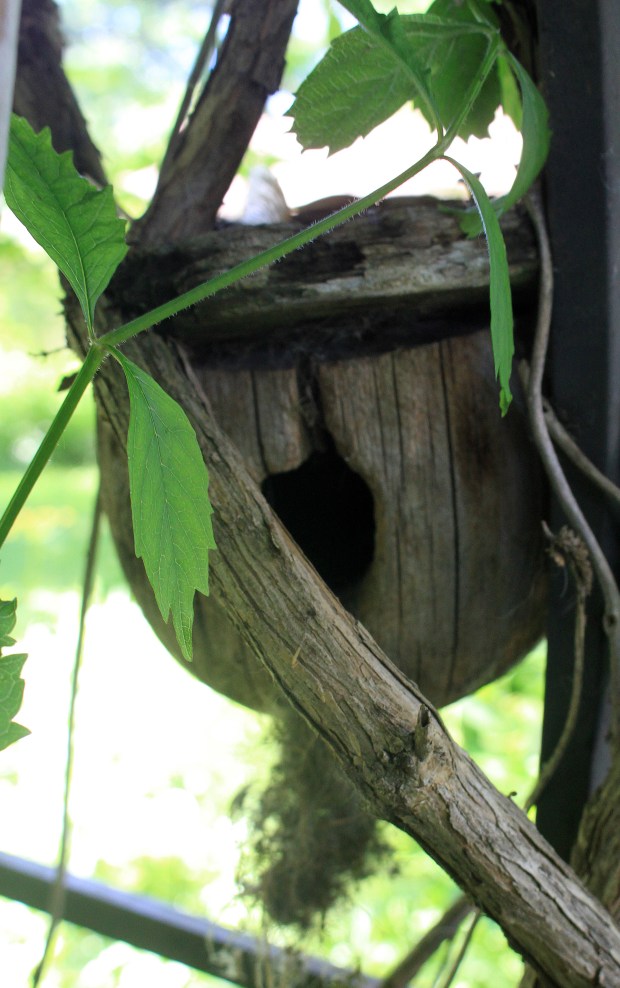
[
  {"x": 456, "y": 590},
  {"x": 383, "y": 730},
  {"x": 394, "y": 272}
]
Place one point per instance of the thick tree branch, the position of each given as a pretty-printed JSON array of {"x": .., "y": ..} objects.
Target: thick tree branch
[
  {"x": 42, "y": 92},
  {"x": 206, "y": 157},
  {"x": 386, "y": 735},
  {"x": 384, "y": 732}
]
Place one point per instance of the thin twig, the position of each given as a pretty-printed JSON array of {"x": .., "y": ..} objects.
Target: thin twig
[
  {"x": 563, "y": 439},
  {"x": 553, "y": 467},
  {"x": 452, "y": 971},
  {"x": 567, "y": 444},
  {"x": 57, "y": 899},
  {"x": 568, "y": 550},
  {"x": 444, "y": 929},
  {"x": 202, "y": 59}
]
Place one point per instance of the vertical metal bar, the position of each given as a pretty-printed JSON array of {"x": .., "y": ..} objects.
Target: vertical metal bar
[{"x": 580, "y": 74}]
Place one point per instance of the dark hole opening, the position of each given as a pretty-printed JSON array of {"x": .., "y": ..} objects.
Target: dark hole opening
[{"x": 328, "y": 509}]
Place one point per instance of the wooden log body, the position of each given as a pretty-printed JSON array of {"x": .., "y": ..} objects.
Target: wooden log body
[{"x": 396, "y": 459}]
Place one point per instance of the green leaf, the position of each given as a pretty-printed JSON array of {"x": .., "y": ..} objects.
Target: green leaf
[
  {"x": 536, "y": 139},
  {"x": 75, "y": 224},
  {"x": 368, "y": 74},
  {"x": 11, "y": 685},
  {"x": 455, "y": 62},
  {"x": 354, "y": 88},
  {"x": 170, "y": 506},
  {"x": 7, "y": 622},
  {"x": 501, "y": 297}
]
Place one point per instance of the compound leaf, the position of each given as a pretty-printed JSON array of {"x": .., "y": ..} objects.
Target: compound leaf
[
  {"x": 170, "y": 506},
  {"x": 456, "y": 61},
  {"x": 75, "y": 223},
  {"x": 11, "y": 684},
  {"x": 354, "y": 88},
  {"x": 500, "y": 294},
  {"x": 370, "y": 72},
  {"x": 536, "y": 139}
]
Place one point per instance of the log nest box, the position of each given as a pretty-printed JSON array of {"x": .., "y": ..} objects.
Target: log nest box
[{"x": 356, "y": 378}]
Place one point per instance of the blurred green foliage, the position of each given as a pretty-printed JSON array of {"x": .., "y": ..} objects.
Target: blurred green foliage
[{"x": 34, "y": 358}]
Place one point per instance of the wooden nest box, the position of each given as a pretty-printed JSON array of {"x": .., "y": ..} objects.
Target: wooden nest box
[{"x": 356, "y": 378}]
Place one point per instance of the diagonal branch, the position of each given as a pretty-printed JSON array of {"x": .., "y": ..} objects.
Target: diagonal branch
[
  {"x": 209, "y": 151},
  {"x": 42, "y": 92},
  {"x": 387, "y": 736}
]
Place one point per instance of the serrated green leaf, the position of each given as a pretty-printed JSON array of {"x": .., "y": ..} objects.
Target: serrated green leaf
[
  {"x": 7, "y": 622},
  {"x": 455, "y": 62},
  {"x": 536, "y": 139},
  {"x": 11, "y": 685},
  {"x": 369, "y": 73},
  {"x": 170, "y": 506},
  {"x": 354, "y": 88},
  {"x": 75, "y": 224},
  {"x": 500, "y": 294}
]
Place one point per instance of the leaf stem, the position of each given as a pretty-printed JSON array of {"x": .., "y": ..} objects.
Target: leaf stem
[
  {"x": 87, "y": 371},
  {"x": 493, "y": 49},
  {"x": 266, "y": 257}
]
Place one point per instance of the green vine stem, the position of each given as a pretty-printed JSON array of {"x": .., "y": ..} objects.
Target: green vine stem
[
  {"x": 94, "y": 358},
  {"x": 266, "y": 257}
]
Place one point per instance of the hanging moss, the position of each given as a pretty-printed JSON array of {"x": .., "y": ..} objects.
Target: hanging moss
[{"x": 311, "y": 835}]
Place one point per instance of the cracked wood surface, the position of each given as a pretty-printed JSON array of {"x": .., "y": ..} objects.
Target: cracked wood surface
[
  {"x": 395, "y": 272},
  {"x": 373, "y": 717},
  {"x": 455, "y": 591}
]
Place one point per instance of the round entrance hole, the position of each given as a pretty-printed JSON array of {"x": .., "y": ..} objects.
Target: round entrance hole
[{"x": 328, "y": 509}]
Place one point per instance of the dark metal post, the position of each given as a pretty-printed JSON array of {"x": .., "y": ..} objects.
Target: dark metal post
[{"x": 580, "y": 75}]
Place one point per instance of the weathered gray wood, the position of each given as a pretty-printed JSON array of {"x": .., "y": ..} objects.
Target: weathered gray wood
[
  {"x": 195, "y": 177},
  {"x": 456, "y": 591},
  {"x": 404, "y": 260},
  {"x": 375, "y": 720}
]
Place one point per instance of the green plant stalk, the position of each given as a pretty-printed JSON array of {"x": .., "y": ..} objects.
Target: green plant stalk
[
  {"x": 266, "y": 257},
  {"x": 208, "y": 288},
  {"x": 98, "y": 351},
  {"x": 94, "y": 358},
  {"x": 278, "y": 251}
]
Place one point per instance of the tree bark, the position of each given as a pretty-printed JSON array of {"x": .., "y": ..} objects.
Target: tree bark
[
  {"x": 9, "y": 30},
  {"x": 389, "y": 739},
  {"x": 42, "y": 93},
  {"x": 388, "y": 279},
  {"x": 198, "y": 174}
]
